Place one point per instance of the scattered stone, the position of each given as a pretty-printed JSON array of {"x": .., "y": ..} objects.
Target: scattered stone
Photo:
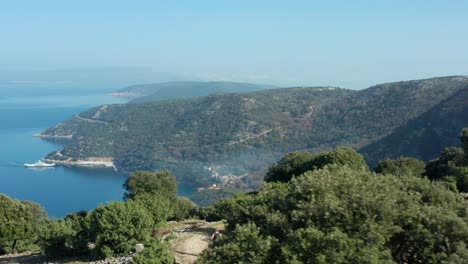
[
  {"x": 139, "y": 248},
  {"x": 91, "y": 246},
  {"x": 116, "y": 260}
]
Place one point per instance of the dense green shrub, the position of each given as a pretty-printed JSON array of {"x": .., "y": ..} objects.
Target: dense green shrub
[
  {"x": 79, "y": 223},
  {"x": 155, "y": 252},
  {"x": 452, "y": 165},
  {"x": 19, "y": 223},
  {"x": 464, "y": 140},
  {"x": 342, "y": 215},
  {"x": 244, "y": 245},
  {"x": 155, "y": 191},
  {"x": 402, "y": 166},
  {"x": 343, "y": 156},
  {"x": 184, "y": 209},
  {"x": 65, "y": 237},
  {"x": 55, "y": 238},
  {"x": 145, "y": 182},
  {"x": 118, "y": 226},
  {"x": 296, "y": 163},
  {"x": 158, "y": 206}
]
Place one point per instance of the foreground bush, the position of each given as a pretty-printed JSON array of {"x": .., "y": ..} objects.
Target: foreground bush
[
  {"x": 452, "y": 165},
  {"x": 296, "y": 163},
  {"x": 184, "y": 209},
  {"x": 56, "y": 238},
  {"x": 343, "y": 215},
  {"x": 118, "y": 226},
  {"x": 155, "y": 252},
  {"x": 401, "y": 167},
  {"x": 19, "y": 224}
]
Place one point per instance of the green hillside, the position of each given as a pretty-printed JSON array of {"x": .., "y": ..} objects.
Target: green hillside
[
  {"x": 238, "y": 134},
  {"x": 424, "y": 137}
]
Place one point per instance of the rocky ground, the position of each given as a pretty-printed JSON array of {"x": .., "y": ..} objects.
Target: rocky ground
[{"x": 192, "y": 241}]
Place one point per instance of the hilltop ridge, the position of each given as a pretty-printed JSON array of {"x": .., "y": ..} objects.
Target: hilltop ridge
[{"x": 185, "y": 89}]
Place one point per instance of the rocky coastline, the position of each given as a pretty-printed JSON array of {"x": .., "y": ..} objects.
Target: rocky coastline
[
  {"x": 60, "y": 159},
  {"x": 40, "y": 135}
]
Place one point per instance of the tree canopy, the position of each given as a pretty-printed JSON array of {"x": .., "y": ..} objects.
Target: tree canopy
[
  {"x": 156, "y": 183},
  {"x": 402, "y": 166},
  {"x": 296, "y": 163},
  {"x": 452, "y": 165},
  {"x": 118, "y": 226},
  {"x": 19, "y": 220},
  {"x": 341, "y": 215},
  {"x": 464, "y": 140}
]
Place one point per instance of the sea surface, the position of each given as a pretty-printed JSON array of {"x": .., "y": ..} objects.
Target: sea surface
[{"x": 60, "y": 190}]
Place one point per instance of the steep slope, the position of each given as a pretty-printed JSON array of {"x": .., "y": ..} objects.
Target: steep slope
[
  {"x": 425, "y": 136},
  {"x": 240, "y": 133},
  {"x": 184, "y": 90}
]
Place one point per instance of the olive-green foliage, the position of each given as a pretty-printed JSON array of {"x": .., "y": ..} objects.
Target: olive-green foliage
[
  {"x": 340, "y": 215},
  {"x": 39, "y": 217},
  {"x": 18, "y": 223},
  {"x": 184, "y": 208},
  {"x": 39, "y": 213},
  {"x": 156, "y": 191},
  {"x": 464, "y": 140},
  {"x": 118, "y": 226},
  {"x": 158, "y": 206},
  {"x": 55, "y": 238},
  {"x": 145, "y": 182},
  {"x": 452, "y": 165},
  {"x": 402, "y": 166},
  {"x": 66, "y": 237},
  {"x": 79, "y": 223},
  {"x": 449, "y": 158},
  {"x": 155, "y": 252},
  {"x": 296, "y": 163},
  {"x": 340, "y": 156},
  {"x": 292, "y": 164},
  {"x": 244, "y": 245}
]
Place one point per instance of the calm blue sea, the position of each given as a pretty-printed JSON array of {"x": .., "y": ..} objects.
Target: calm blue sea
[{"x": 60, "y": 190}]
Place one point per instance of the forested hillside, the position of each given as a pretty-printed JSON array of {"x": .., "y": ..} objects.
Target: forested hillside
[
  {"x": 425, "y": 136},
  {"x": 241, "y": 133}
]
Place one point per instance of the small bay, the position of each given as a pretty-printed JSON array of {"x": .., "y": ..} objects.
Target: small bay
[{"x": 60, "y": 190}]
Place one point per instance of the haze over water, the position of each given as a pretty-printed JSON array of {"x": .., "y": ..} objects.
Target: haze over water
[{"x": 60, "y": 190}]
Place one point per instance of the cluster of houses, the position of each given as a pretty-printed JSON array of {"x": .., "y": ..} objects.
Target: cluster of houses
[{"x": 228, "y": 179}]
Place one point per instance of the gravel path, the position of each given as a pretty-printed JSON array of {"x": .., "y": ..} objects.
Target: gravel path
[{"x": 190, "y": 244}]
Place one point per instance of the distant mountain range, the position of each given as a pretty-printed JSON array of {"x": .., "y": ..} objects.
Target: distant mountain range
[
  {"x": 183, "y": 90},
  {"x": 241, "y": 133}
]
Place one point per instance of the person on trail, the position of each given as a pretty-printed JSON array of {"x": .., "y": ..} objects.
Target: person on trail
[{"x": 215, "y": 236}]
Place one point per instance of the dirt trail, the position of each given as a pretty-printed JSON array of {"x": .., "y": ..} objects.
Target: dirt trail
[{"x": 190, "y": 244}]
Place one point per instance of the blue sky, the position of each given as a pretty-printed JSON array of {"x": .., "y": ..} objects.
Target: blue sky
[{"x": 352, "y": 44}]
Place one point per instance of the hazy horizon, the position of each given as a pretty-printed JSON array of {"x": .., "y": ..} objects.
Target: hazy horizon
[{"x": 111, "y": 44}]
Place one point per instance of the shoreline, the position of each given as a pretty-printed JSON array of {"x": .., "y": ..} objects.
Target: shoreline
[
  {"x": 126, "y": 94},
  {"x": 40, "y": 135},
  {"x": 90, "y": 162}
]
